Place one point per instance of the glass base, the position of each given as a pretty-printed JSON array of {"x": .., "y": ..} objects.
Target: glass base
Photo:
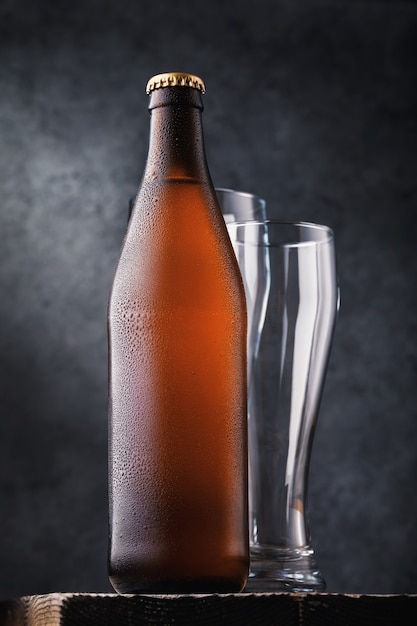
[{"x": 283, "y": 569}]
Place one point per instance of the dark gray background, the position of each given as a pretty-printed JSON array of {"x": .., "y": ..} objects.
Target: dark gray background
[{"x": 310, "y": 104}]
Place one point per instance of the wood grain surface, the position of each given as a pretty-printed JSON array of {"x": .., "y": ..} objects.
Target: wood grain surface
[{"x": 280, "y": 609}]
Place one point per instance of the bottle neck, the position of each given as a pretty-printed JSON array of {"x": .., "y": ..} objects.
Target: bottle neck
[{"x": 176, "y": 146}]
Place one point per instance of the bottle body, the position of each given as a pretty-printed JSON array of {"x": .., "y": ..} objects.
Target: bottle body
[{"x": 177, "y": 418}]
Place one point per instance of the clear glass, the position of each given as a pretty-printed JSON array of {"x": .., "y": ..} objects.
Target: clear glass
[
  {"x": 289, "y": 272},
  {"x": 239, "y": 206}
]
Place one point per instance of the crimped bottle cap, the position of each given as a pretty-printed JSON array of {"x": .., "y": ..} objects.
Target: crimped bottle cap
[{"x": 175, "y": 79}]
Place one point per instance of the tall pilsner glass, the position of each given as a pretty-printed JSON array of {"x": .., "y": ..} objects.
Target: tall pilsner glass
[{"x": 290, "y": 280}]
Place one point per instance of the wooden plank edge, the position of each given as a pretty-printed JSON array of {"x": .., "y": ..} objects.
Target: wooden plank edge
[{"x": 275, "y": 609}]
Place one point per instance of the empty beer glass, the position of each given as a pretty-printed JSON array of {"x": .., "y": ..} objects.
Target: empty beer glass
[{"x": 292, "y": 298}]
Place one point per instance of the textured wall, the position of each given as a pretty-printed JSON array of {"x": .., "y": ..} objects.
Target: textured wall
[{"x": 310, "y": 104}]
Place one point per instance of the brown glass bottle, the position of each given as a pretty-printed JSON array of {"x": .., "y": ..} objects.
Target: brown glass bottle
[{"x": 177, "y": 384}]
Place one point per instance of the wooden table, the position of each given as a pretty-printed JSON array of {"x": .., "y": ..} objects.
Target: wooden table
[{"x": 280, "y": 609}]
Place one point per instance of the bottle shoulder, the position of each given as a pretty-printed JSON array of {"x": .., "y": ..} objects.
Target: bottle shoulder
[
  {"x": 178, "y": 209},
  {"x": 177, "y": 250}
]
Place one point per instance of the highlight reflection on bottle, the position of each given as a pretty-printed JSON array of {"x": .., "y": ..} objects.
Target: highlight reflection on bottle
[{"x": 177, "y": 356}]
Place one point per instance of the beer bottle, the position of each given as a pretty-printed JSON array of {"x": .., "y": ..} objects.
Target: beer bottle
[{"x": 177, "y": 380}]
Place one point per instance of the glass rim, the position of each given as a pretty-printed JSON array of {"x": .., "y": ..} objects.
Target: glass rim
[
  {"x": 307, "y": 226},
  {"x": 237, "y": 192}
]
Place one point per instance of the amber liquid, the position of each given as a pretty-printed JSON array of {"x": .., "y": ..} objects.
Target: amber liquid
[{"x": 178, "y": 441}]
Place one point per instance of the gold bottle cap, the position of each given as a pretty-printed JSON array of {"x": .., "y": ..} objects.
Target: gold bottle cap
[{"x": 175, "y": 79}]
